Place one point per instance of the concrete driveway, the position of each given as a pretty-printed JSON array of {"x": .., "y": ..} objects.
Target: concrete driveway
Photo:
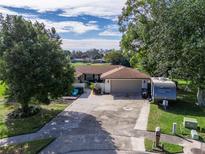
[{"x": 98, "y": 124}]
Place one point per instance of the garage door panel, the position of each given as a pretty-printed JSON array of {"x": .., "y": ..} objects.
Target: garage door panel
[{"x": 126, "y": 86}]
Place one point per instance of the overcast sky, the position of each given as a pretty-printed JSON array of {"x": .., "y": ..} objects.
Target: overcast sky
[{"x": 82, "y": 24}]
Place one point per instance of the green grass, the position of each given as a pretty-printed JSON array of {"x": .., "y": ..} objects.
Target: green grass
[
  {"x": 84, "y": 64},
  {"x": 2, "y": 89},
  {"x": 32, "y": 147},
  {"x": 80, "y": 64},
  {"x": 183, "y": 107},
  {"x": 169, "y": 148},
  {"x": 182, "y": 82},
  {"x": 148, "y": 144},
  {"x": 12, "y": 127}
]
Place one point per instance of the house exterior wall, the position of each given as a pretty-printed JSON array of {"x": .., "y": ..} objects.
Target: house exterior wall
[
  {"x": 101, "y": 85},
  {"x": 144, "y": 84},
  {"x": 107, "y": 86},
  {"x": 89, "y": 77}
]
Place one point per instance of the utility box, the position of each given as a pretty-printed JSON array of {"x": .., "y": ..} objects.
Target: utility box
[
  {"x": 174, "y": 128},
  {"x": 190, "y": 123},
  {"x": 194, "y": 135}
]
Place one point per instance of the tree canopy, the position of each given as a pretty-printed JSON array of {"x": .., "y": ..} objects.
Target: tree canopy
[
  {"x": 116, "y": 58},
  {"x": 33, "y": 64},
  {"x": 170, "y": 36},
  {"x": 92, "y": 54}
]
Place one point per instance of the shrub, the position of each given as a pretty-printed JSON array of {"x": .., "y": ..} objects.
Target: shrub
[{"x": 92, "y": 86}]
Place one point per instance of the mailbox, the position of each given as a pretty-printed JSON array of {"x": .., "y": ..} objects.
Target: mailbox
[{"x": 157, "y": 135}]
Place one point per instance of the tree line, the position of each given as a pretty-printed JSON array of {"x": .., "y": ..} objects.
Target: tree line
[{"x": 112, "y": 56}]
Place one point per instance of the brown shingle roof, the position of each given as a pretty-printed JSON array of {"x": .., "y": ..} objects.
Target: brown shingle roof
[
  {"x": 78, "y": 74},
  {"x": 124, "y": 73},
  {"x": 96, "y": 69}
]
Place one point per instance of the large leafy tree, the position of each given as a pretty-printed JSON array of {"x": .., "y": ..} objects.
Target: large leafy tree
[
  {"x": 116, "y": 58},
  {"x": 172, "y": 37},
  {"x": 33, "y": 65}
]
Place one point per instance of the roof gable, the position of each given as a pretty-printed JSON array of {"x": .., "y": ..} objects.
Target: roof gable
[{"x": 124, "y": 73}]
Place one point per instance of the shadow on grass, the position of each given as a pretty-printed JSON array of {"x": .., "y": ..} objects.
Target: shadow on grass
[
  {"x": 185, "y": 108},
  {"x": 185, "y": 105}
]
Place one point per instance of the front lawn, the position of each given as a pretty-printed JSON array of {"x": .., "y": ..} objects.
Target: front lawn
[
  {"x": 183, "y": 107},
  {"x": 32, "y": 147},
  {"x": 12, "y": 127},
  {"x": 169, "y": 148}
]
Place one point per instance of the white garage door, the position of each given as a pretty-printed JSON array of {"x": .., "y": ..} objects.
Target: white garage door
[{"x": 126, "y": 86}]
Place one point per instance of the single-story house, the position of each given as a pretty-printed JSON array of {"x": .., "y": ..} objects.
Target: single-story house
[
  {"x": 113, "y": 78},
  {"x": 163, "y": 89}
]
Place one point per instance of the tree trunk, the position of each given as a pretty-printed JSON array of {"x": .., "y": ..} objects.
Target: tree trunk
[{"x": 201, "y": 97}]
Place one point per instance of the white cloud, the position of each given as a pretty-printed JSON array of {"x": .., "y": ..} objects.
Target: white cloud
[
  {"x": 85, "y": 44},
  {"x": 111, "y": 30},
  {"x": 5, "y": 11},
  {"x": 68, "y": 26},
  {"x": 102, "y": 8},
  {"x": 92, "y": 22},
  {"x": 110, "y": 33},
  {"x": 64, "y": 26}
]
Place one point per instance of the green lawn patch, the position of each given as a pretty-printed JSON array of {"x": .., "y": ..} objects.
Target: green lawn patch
[
  {"x": 182, "y": 82},
  {"x": 80, "y": 64},
  {"x": 12, "y": 127},
  {"x": 84, "y": 64},
  {"x": 169, "y": 148},
  {"x": 32, "y": 147},
  {"x": 2, "y": 89},
  {"x": 184, "y": 107}
]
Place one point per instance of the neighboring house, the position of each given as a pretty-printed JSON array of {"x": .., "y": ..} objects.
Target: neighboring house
[
  {"x": 113, "y": 78},
  {"x": 163, "y": 88}
]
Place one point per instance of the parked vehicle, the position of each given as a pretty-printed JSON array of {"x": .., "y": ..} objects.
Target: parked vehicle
[{"x": 163, "y": 89}]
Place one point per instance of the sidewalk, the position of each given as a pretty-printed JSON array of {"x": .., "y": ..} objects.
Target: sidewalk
[{"x": 142, "y": 120}]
